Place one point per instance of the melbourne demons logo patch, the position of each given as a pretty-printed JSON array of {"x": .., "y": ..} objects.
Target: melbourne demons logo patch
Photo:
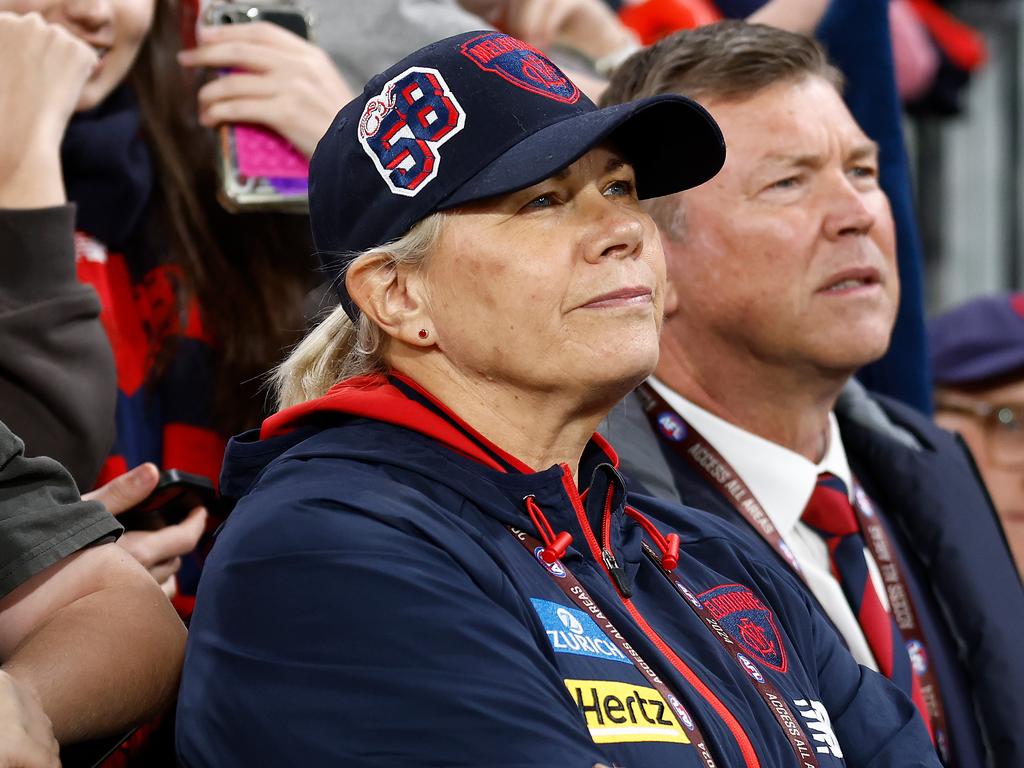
[
  {"x": 520, "y": 64},
  {"x": 748, "y": 621},
  {"x": 403, "y": 128}
]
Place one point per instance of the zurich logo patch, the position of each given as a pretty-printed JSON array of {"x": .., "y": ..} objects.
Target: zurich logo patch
[
  {"x": 520, "y": 64},
  {"x": 403, "y": 127},
  {"x": 672, "y": 427},
  {"x": 750, "y": 667},
  {"x": 572, "y": 631},
  {"x": 555, "y": 568},
  {"x": 748, "y": 621}
]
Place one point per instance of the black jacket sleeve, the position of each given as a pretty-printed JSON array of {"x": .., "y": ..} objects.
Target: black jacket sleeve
[{"x": 58, "y": 384}]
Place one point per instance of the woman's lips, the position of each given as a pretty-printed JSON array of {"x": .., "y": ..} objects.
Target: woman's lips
[{"x": 624, "y": 297}]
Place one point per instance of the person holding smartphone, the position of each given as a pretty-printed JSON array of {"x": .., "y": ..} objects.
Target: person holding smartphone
[
  {"x": 104, "y": 165},
  {"x": 69, "y": 598}
]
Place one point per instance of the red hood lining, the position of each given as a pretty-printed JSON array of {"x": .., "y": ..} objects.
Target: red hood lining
[{"x": 374, "y": 397}]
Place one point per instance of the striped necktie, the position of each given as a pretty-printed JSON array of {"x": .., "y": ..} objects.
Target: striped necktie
[{"x": 830, "y": 513}]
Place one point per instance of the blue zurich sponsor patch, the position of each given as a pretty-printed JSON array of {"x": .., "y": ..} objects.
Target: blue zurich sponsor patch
[
  {"x": 520, "y": 64},
  {"x": 572, "y": 631}
]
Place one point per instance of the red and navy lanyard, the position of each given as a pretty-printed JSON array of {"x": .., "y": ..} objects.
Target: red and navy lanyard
[
  {"x": 696, "y": 451},
  {"x": 774, "y": 700}
]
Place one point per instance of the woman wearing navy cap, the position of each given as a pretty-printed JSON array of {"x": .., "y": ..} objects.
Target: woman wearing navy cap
[{"x": 431, "y": 560}]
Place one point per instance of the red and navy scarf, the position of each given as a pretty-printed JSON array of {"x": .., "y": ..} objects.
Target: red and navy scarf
[{"x": 166, "y": 419}]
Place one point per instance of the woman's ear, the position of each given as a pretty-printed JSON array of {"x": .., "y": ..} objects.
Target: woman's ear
[{"x": 392, "y": 296}]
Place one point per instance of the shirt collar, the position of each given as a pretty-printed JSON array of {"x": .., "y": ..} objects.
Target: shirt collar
[{"x": 780, "y": 479}]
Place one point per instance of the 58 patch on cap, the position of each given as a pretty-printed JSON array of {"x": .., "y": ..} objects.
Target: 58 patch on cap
[
  {"x": 402, "y": 128},
  {"x": 474, "y": 116}
]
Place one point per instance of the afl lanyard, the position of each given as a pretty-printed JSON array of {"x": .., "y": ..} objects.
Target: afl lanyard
[
  {"x": 699, "y": 454},
  {"x": 575, "y": 591}
]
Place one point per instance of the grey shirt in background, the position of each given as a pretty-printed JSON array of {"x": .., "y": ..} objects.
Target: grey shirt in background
[
  {"x": 365, "y": 37},
  {"x": 42, "y": 517}
]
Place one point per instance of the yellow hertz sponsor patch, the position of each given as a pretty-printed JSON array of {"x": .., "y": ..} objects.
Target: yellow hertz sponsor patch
[{"x": 619, "y": 712}]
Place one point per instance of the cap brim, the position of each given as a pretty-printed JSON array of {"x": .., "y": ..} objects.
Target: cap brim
[{"x": 671, "y": 141}]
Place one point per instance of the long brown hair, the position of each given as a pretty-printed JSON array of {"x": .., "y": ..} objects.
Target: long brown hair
[{"x": 248, "y": 272}]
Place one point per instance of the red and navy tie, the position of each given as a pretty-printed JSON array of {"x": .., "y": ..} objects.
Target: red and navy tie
[{"x": 830, "y": 513}]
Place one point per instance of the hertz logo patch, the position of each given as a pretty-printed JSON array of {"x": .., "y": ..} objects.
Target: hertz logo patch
[{"x": 621, "y": 712}]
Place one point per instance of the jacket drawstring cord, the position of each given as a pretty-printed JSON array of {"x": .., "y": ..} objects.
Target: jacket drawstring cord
[
  {"x": 555, "y": 545},
  {"x": 667, "y": 545}
]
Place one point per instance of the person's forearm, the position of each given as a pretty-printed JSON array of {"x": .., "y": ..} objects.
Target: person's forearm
[
  {"x": 793, "y": 15},
  {"x": 106, "y": 660},
  {"x": 35, "y": 181}
]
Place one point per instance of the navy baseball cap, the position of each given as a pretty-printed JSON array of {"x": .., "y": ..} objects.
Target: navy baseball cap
[
  {"x": 473, "y": 116},
  {"x": 979, "y": 340}
]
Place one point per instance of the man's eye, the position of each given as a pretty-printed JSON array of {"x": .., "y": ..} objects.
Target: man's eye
[
  {"x": 864, "y": 171},
  {"x": 787, "y": 183}
]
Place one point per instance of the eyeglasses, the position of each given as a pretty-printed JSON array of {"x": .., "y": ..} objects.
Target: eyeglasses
[{"x": 1003, "y": 423}]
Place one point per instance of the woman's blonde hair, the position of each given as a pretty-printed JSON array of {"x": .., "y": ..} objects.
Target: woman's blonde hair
[{"x": 339, "y": 348}]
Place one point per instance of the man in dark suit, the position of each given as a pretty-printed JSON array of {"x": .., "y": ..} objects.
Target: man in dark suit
[{"x": 782, "y": 283}]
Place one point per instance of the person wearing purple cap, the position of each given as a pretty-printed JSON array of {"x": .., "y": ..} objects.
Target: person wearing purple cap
[
  {"x": 430, "y": 560},
  {"x": 977, "y": 362}
]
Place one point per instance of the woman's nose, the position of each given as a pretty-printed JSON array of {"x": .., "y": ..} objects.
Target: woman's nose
[
  {"x": 615, "y": 230},
  {"x": 88, "y": 14}
]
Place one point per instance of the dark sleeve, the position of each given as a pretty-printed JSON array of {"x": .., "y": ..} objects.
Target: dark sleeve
[
  {"x": 57, "y": 379},
  {"x": 876, "y": 725},
  {"x": 42, "y": 517},
  {"x": 344, "y": 640}
]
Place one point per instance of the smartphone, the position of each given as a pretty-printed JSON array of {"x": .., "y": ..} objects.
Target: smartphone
[
  {"x": 260, "y": 170},
  {"x": 176, "y": 494}
]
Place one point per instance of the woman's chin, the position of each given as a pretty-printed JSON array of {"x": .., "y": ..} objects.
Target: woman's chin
[{"x": 618, "y": 377}]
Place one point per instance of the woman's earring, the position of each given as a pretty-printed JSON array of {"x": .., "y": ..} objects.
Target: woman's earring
[{"x": 424, "y": 333}]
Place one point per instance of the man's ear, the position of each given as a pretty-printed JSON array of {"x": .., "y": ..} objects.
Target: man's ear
[
  {"x": 392, "y": 296},
  {"x": 670, "y": 246}
]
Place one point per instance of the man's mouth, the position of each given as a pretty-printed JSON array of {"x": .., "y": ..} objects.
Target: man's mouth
[{"x": 850, "y": 280}]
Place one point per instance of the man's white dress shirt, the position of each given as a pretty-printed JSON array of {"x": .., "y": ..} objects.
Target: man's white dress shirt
[{"x": 782, "y": 481}]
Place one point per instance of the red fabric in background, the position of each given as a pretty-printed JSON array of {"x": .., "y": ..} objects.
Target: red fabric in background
[
  {"x": 654, "y": 19},
  {"x": 962, "y": 44}
]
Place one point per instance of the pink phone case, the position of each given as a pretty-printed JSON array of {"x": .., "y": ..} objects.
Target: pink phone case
[{"x": 262, "y": 153}]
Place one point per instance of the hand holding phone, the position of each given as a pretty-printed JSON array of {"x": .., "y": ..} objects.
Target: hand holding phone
[
  {"x": 271, "y": 78},
  {"x": 160, "y": 545}
]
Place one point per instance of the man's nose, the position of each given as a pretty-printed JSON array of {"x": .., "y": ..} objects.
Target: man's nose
[{"x": 848, "y": 211}]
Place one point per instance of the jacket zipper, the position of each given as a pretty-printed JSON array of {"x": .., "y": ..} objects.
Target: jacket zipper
[
  {"x": 611, "y": 564},
  {"x": 599, "y": 551}
]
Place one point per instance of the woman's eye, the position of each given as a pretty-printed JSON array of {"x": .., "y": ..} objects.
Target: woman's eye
[
  {"x": 542, "y": 201},
  {"x": 620, "y": 188}
]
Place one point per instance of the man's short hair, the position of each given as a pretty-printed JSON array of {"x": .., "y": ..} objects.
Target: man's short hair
[{"x": 727, "y": 60}]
